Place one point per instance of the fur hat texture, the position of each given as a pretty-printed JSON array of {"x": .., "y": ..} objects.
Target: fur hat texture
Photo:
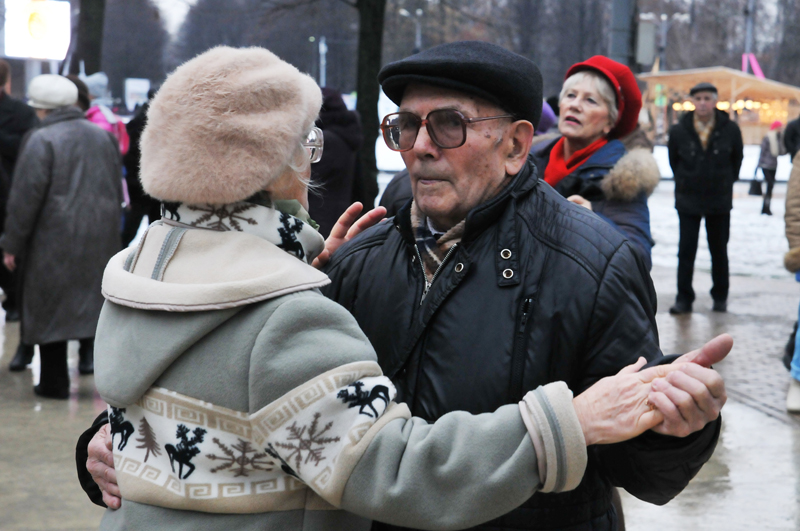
[{"x": 224, "y": 125}]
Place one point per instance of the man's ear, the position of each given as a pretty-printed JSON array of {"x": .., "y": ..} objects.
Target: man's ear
[{"x": 520, "y": 139}]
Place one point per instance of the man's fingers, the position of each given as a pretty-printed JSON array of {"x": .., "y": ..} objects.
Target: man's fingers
[
  {"x": 112, "y": 502},
  {"x": 672, "y": 417},
  {"x": 346, "y": 220},
  {"x": 634, "y": 367},
  {"x": 366, "y": 221},
  {"x": 709, "y": 378},
  {"x": 712, "y": 352}
]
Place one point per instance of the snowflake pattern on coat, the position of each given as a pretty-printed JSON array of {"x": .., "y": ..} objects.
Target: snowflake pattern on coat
[
  {"x": 306, "y": 443},
  {"x": 225, "y": 217},
  {"x": 238, "y": 454}
]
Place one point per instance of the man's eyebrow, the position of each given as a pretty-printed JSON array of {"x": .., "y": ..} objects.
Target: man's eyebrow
[{"x": 448, "y": 107}]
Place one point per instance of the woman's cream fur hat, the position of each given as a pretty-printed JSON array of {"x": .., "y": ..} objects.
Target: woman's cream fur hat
[{"x": 224, "y": 125}]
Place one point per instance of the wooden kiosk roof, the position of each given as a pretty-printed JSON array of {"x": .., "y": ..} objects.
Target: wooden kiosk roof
[{"x": 732, "y": 84}]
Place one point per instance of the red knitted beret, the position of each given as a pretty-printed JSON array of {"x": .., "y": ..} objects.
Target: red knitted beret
[{"x": 629, "y": 97}]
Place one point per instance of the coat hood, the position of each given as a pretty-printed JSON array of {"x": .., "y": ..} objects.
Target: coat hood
[
  {"x": 181, "y": 283},
  {"x": 336, "y": 118},
  {"x": 634, "y": 173}
]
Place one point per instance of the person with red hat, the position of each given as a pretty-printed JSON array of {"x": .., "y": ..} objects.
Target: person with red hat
[
  {"x": 772, "y": 147},
  {"x": 599, "y": 104}
]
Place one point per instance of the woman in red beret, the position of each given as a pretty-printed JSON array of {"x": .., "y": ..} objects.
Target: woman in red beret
[{"x": 589, "y": 165}]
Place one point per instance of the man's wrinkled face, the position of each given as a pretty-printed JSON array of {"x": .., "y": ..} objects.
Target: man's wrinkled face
[
  {"x": 704, "y": 104},
  {"x": 448, "y": 183}
]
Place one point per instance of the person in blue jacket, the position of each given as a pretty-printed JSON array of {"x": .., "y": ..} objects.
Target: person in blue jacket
[{"x": 599, "y": 105}]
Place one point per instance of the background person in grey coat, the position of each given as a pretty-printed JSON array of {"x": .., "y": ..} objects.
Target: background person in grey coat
[
  {"x": 772, "y": 147},
  {"x": 62, "y": 222}
]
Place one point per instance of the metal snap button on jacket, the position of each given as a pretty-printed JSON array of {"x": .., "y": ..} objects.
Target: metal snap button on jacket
[
  {"x": 505, "y": 254},
  {"x": 459, "y": 267},
  {"x": 507, "y": 273}
]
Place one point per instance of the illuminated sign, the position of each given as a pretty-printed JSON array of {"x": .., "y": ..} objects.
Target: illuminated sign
[{"x": 37, "y": 29}]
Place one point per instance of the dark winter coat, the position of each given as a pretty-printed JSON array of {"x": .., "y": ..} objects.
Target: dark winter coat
[
  {"x": 791, "y": 137},
  {"x": 704, "y": 178},
  {"x": 397, "y": 193},
  {"x": 538, "y": 290},
  {"x": 618, "y": 185},
  {"x": 336, "y": 171},
  {"x": 16, "y": 119},
  {"x": 63, "y": 221}
]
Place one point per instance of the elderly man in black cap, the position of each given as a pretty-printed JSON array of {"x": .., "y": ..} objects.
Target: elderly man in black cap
[
  {"x": 705, "y": 152},
  {"x": 490, "y": 283}
]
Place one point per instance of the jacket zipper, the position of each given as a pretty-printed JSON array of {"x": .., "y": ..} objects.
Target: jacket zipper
[
  {"x": 518, "y": 361},
  {"x": 436, "y": 274}
]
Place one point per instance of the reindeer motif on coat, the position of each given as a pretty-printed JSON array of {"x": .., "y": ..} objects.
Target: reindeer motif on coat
[
  {"x": 185, "y": 451},
  {"x": 116, "y": 419},
  {"x": 365, "y": 399}
]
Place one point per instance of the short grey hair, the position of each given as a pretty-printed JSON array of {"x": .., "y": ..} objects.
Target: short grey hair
[{"x": 603, "y": 86}]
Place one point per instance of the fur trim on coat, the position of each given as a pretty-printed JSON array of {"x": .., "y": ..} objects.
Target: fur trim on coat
[
  {"x": 224, "y": 125},
  {"x": 636, "y": 172}
]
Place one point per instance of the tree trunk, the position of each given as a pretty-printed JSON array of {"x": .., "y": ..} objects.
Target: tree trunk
[
  {"x": 370, "y": 44},
  {"x": 89, "y": 36}
]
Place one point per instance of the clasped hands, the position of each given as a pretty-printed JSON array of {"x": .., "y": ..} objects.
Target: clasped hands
[{"x": 676, "y": 399}]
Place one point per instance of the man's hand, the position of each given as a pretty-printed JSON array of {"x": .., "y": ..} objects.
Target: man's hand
[
  {"x": 616, "y": 408},
  {"x": 347, "y": 227},
  {"x": 100, "y": 465},
  {"x": 10, "y": 261},
  {"x": 579, "y": 200},
  {"x": 692, "y": 396}
]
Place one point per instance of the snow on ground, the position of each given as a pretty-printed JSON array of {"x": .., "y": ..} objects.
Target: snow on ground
[{"x": 757, "y": 243}]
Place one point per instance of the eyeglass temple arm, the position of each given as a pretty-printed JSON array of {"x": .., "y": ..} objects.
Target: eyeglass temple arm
[{"x": 484, "y": 118}]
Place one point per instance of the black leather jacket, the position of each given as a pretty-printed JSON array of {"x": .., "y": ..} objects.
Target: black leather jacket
[{"x": 538, "y": 290}]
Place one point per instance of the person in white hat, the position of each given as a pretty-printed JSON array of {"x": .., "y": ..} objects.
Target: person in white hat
[{"x": 62, "y": 222}]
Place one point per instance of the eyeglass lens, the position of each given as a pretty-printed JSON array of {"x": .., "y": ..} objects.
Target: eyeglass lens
[{"x": 446, "y": 128}]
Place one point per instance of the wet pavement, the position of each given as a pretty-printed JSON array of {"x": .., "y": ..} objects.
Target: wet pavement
[{"x": 751, "y": 482}]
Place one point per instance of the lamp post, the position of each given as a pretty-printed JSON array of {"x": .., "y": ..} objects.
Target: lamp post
[{"x": 418, "y": 26}]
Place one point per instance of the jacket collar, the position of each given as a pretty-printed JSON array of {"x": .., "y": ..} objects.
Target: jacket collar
[
  {"x": 485, "y": 214},
  {"x": 720, "y": 119},
  {"x": 62, "y": 114}
]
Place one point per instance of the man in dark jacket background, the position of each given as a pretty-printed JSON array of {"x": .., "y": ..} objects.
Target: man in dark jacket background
[
  {"x": 705, "y": 152},
  {"x": 16, "y": 119}
]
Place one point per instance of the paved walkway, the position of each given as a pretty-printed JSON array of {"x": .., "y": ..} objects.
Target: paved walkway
[{"x": 752, "y": 481}]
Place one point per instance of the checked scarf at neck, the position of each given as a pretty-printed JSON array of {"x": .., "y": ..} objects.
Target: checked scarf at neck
[{"x": 433, "y": 247}]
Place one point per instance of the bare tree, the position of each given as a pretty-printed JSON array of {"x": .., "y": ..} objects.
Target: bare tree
[
  {"x": 89, "y": 36},
  {"x": 134, "y": 42}
]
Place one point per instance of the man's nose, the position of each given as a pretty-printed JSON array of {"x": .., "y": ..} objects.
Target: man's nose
[{"x": 423, "y": 144}]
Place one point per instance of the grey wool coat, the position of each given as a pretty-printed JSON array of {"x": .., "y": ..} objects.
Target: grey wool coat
[{"x": 63, "y": 224}]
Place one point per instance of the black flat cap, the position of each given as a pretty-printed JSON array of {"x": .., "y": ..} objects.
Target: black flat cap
[
  {"x": 703, "y": 87},
  {"x": 488, "y": 71}
]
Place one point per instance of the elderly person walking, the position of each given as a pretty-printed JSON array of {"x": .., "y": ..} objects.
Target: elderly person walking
[
  {"x": 589, "y": 165},
  {"x": 772, "y": 147},
  {"x": 62, "y": 223}
]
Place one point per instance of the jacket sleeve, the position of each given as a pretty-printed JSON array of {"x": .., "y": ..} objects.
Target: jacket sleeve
[
  {"x": 737, "y": 153},
  {"x": 374, "y": 460},
  {"x": 29, "y": 187},
  {"x": 633, "y": 220},
  {"x": 652, "y": 467},
  {"x": 673, "y": 145},
  {"x": 82, "y": 454}
]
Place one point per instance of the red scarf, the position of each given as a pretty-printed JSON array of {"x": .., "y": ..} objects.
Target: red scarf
[{"x": 558, "y": 168}]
